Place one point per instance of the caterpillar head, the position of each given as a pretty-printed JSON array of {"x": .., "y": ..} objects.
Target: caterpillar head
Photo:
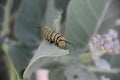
[{"x": 61, "y": 44}]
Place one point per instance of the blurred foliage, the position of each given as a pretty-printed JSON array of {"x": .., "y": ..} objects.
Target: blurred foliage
[
  {"x": 3, "y": 2},
  {"x": 23, "y": 43},
  {"x": 4, "y": 75},
  {"x": 58, "y": 72},
  {"x": 28, "y": 21},
  {"x": 76, "y": 71},
  {"x": 82, "y": 19},
  {"x": 15, "y": 53}
]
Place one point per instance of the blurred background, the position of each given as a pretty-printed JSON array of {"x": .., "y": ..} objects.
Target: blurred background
[{"x": 90, "y": 25}]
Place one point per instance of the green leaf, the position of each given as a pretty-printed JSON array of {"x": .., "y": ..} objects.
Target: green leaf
[
  {"x": 110, "y": 22},
  {"x": 111, "y": 17},
  {"x": 61, "y": 4},
  {"x": 57, "y": 74},
  {"x": 76, "y": 71},
  {"x": 27, "y": 26},
  {"x": 115, "y": 62},
  {"x": 3, "y": 66},
  {"x": 84, "y": 18},
  {"x": 20, "y": 56},
  {"x": 1, "y": 41},
  {"x": 45, "y": 50},
  {"x": 1, "y": 16},
  {"x": 3, "y": 2},
  {"x": 51, "y": 14}
]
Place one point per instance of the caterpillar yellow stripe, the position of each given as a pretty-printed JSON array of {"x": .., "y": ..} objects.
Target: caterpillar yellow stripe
[{"x": 53, "y": 37}]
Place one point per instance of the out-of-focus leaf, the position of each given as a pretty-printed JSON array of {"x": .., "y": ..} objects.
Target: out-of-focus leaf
[
  {"x": 20, "y": 56},
  {"x": 45, "y": 50},
  {"x": 3, "y": 2},
  {"x": 38, "y": 64},
  {"x": 27, "y": 26},
  {"x": 84, "y": 18},
  {"x": 111, "y": 16},
  {"x": 57, "y": 74},
  {"x": 114, "y": 13},
  {"x": 110, "y": 21},
  {"x": 12, "y": 71},
  {"x": 1, "y": 14},
  {"x": 15, "y": 6},
  {"x": 103, "y": 64},
  {"x": 61, "y": 4},
  {"x": 115, "y": 64},
  {"x": 4, "y": 73},
  {"x": 0, "y": 41},
  {"x": 51, "y": 14},
  {"x": 76, "y": 71}
]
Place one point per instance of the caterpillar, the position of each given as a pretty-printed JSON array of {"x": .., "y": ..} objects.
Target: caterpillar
[{"x": 53, "y": 37}]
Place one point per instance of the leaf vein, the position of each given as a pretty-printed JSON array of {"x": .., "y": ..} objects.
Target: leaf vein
[
  {"x": 92, "y": 9},
  {"x": 102, "y": 16}
]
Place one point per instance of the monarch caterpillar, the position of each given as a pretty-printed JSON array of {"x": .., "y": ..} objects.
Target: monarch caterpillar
[{"x": 53, "y": 37}]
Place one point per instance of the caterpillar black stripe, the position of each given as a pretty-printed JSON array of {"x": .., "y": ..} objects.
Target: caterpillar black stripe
[{"x": 53, "y": 37}]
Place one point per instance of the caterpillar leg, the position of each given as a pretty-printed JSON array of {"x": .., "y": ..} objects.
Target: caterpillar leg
[
  {"x": 51, "y": 42},
  {"x": 56, "y": 44}
]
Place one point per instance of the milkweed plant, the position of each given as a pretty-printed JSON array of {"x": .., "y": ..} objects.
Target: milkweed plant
[{"x": 91, "y": 27}]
